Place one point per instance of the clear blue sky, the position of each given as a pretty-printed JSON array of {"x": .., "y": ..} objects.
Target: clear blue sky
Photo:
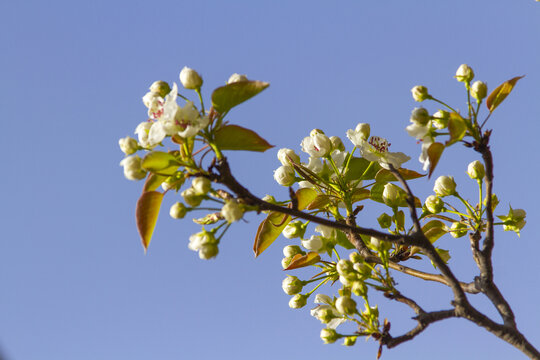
[{"x": 74, "y": 281}]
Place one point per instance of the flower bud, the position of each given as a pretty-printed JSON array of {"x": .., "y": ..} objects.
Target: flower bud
[
  {"x": 190, "y": 79},
  {"x": 359, "y": 288},
  {"x": 314, "y": 243},
  {"x": 329, "y": 336},
  {"x": 269, "y": 199},
  {"x": 337, "y": 144},
  {"x": 434, "y": 204},
  {"x": 458, "y": 229},
  {"x": 344, "y": 267},
  {"x": 198, "y": 240},
  {"x": 142, "y": 132},
  {"x": 298, "y": 301},
  {"x": 385, "y": 220},
  {"x": 232, "y": 211},
  {"x": 392, "y": 195},
  {"x": 294, "y": 229},
  {"x": 132, "y": 168},
  {"x": 128, "y": 145},
  {"x": 440, "y": 119},
  {"x": 322, "y": 143},
  {"x": 444, "y": 186},
  {"x": 355, "y": 258},
  {"x": 284, "y": 175},
  {"x": 464, "y": 73},
  {"x": 191, "y": 198},
  {"x": 346, "y": 305},
  {"x": 292, "y": 285},
  {"x": 285, "y": 262},
  {"x": 420, "y": 116},
  {"x": 363, "y": 130},
  {"x": 160, "y": 87},
  {"x": 178, "y": 211},
  {"x": 208, "y": 251},
  {"x": 479, "y": 90},
  {"x": 236, "y": 78},
  {"x": 292, "y": 250},
  {"x": 349, "y": 340},
  {"x": 420, "y": 93},
  {"x": 201, "y": 185},
  {"x": 285, "y": 154},
  {"x": 476, "y": 170}
]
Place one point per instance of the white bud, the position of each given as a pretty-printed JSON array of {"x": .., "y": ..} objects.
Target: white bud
[
  {"x": 292, "y": 250},
  {"x": 444, "y": 186},
  {"x": 329, "y": 336},
  {"x": 284, "y": 155},
  {"x": 346, "y": 305},
  {"x": 464, "y": 73},
  {"x": 284, "y": 175},
  {"x": 420, "y": 93},
  {"x": 178, "y": 211},
  {"x": 294, "y": 229},
  {"x": 190, "y": 79},
  {"x": 128, "y": 145},
  {"x": 232, "y": 211},
  {"x": 132, "y": 168},
  {"x": 236, "y": 78},
  {"x": 314, "y": 243},
  {"x": 434, "y": 204},
  {"x": 201, "y": 185},
  {"x": 191, "y": 198},
  {"x": 160, "y": 87},
  {"x": 298, "y": 301},
  {"x": 292, "y": 285},
  {"x": 337, "y": 144},
  {"x": 476, "y": 170},
  {"x": 479, "y": 90},
  {"x": 420, "y": 116},
  {"x": 392, "y": 195}
]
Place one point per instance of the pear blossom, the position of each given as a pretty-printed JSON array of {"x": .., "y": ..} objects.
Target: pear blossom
[
  {"x": 376, "y": 149},
  {"x": 142, "y": 133},
  {"x": 236, "y": 78},
  {"x": 128, "y": 145},
  {"x": 314, "y": 243},
  {"x": 232, "y": 211},
  {"x": 285, "y": 154},
  {"x": 190, "y": 78},
  {"x": 339, "y": 157},
  {"x": 317, "y": 144},
  {"x": 132, "y": 168},
  {"x": 284, "y": 175},
  {"x": 305, "y": 184},
  {"x": 314, "y": 164},
  {"x": 329, "y": 336},
  {"x": 359, "y": 134},
  {"x": 327, "y": 314},
  {"x": 326, "y": 231}
]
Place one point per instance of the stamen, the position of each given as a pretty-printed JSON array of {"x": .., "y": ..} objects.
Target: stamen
[{"x": 380, "y": 144}]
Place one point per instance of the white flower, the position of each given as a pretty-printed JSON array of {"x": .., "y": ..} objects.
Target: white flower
[
  {"x": 284, "y": 155},
  {"x": 315, "y": 164},
  {"x": 317, "y": 144},
  {"x": 236, "y": 78},
  {"x": 377, "y": 150},
  {"x": 284, "y": 175},
  {"x": 360, "y": 134},
  {"x": 339, "y": 157},
  {"x": 314, "y": 243},
  {"x": 232, "y": 211},
  {"x": 190, "y": 79},
  {"x": 322, "y": 299},
  {"x": 328, "y": 315},
  {"x": 424, "y": 158},
  {"x": 326, "y": 231},
  {"x": 132, "y": 168},
  {"x": 305, "y": 184}
]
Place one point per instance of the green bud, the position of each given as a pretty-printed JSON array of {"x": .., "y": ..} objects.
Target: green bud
[
  {"x": 356, "y": 258},
  {"x": 208, "y": 251},
  {"x": 392, "y": 195},
  {"x": 420, "y": 93},
  {"x": 349, "y": 340},
  {"x": 292, "y": 250},
  {"x": 294, "y": 229},
  {"x": 329, "y": 336},
  {"x": 161, "y": 88},
  {"x": 344, "y": 267},
  {"x": 359, "y": 288},
  {"x": 385, "y": 220},
  {"x": 346, "y": 305},
  {"x": 479, "y": 90},
  {"x": 298, "y": 301},
  {"x": 494, "y": 201},
  {"x": 440, "y": 119},
  {"x": 476, "y": 170},
  {"x": 458, "y": 229}
]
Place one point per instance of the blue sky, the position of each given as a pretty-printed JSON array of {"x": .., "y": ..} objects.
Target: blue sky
[{"x": 75, "y": 283}]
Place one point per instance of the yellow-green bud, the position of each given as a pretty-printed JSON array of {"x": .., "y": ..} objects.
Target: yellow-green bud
[
  {"x": 458, "y": 229},
  {"x": 208, "y": 251},
  {"x": 128, "y": 145},
  {"x": 292, "y": 285},
  {"x": 359, "y": 288},
  {"x": 392, "y": 195},
  {"x": 346, "y": 305},
  {"x": 191, "y": 198},
  {"x": 479, "y": 90},
  {"x": 349, "y": 340},
  {"x": 329, "y": 336},
  {"x": 294, "y": 229},
  {"x": 355, "y": 257},
  {"x": 160, "y": 87},
  {"x": 420, "y": 93},
  {"x": 444, "y": 186},
  {"x": 420, "y": 116},
  {"x": 434, "y": 204},
  {"x": 298, "y": 301},
  {"x": 291, "y": 250},
  {"x": 440, "y": 119},
  {"x": 178, "y": 211},
  {"x": 476, "y": 170}
]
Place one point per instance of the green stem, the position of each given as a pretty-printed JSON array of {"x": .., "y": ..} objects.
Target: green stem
[
  {"x": 201, "y": 100},
  {"x": 316, "y": 287},
  {"x": 442, "y": 103}
]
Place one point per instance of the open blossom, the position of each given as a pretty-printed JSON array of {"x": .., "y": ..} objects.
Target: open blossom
[
  {"x": 315, "y": 164},
  {"x": 317, "y": 144},
  {"x": 314, "y": 243},
  {"x": 424, "y": 158},
  {"x": 142, "y": 133},
  {"x": 175, "y": 120},
  {"x": 359, "y": 134},
  {"x": 376, "y": 149}
]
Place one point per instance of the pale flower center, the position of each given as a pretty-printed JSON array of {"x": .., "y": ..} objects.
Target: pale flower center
[{"x": 380, "y": 144}]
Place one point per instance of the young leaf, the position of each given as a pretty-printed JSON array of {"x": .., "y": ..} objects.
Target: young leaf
[
  {"x": 153, "y": 181},
  {"x": 160, "y": 162},
  {"x": 433, "y": 230},
  {"x": 299, "y": 260},
  {"x": 498, "y": 95},
  {"x": 434, "y": 153},
  {"x": 234, "y": 137},
  {"x": 319, "y": 202},
  {"x": 146, "y": 215},
  {"x": 457, "y": 128},
  {"x": 226, "y": 97}
]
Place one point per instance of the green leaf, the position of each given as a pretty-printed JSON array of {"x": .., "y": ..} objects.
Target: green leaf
[
  {"x": 359, "y": 195},
  {"x": 498, "y": 95},
  {"x": 271, "y": 227},
  {"x": 146, "y": 214},
  {"x": 433, "y": 230},
  {"x": 457, "y": 128},
  {"x": 384, "y": 175},
  {"x": 434, "y": 153},
  {"x": 358, "y": 167},
  {"x": 299, "y": 260},
  {"x": 153, "y": 181},
  {"x": 319, "y": 202},
  {"x": 160, "y": 162},
  {"x": 343, "y": 241},
  {"x": 226, "y": 97},
  {"x": 234, "y": 137}
]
